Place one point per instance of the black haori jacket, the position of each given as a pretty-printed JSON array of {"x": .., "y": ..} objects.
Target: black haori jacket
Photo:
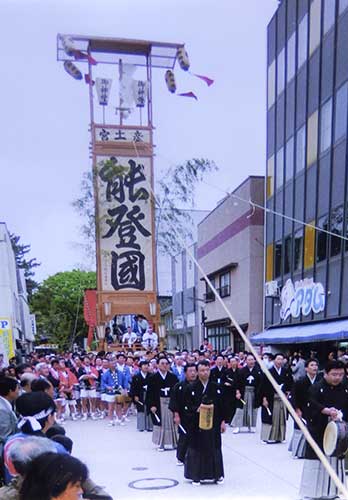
[
  {"x": 139, "y": 386},
  {"x": 157, "y": 388},
  {"x": 284, "y": 379},
  {"x": 323, "y": 395},
  {"x": 250, "y": 378}
]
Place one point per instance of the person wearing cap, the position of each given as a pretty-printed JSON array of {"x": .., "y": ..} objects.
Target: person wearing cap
[{"x": 113, "y": 384}]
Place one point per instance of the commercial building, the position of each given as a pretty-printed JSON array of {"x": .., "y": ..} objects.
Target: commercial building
[
  {"x": 16, "y": 332},
  {"x": 307, "y": 108},
  {"x": 230, "y": 250}
]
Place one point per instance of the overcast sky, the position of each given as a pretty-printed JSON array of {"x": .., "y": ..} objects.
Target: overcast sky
[{"x": 45, "y": 113}]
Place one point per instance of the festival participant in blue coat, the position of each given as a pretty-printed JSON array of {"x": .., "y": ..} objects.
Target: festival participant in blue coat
[
  {"x": 138, "y": 390},
  {"x": 113, "y": 384},
  {"x": 177, "y": 406},
  {"x": 203, "y": 461},
  {"x": 124, "y": 401},
  {"x": 178, "y": 368},
  {"x": 158, "y": 395}
]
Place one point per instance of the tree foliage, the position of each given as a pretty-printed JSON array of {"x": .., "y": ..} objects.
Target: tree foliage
[
  {"x": 58, "y": 305},
  {"x": 175, "y": 193},
  {"x": 29, "y": 266}
]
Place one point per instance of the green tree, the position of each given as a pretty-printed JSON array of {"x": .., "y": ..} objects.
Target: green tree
[
  {"x": 175, "y": 192},
  {"x": 20, "y": 251},
  {"x": 58, "y": 305}
]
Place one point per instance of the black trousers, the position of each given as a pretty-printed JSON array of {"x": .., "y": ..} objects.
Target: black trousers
[{"x": 182, "y": 447}]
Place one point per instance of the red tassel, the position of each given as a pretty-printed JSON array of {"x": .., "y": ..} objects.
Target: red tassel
[
  {"x": 206, "y": 79},
  {"x": 78, "y": 54},
  {"x": 88, "y": 80},
  {"x": 189, "y": 94}
]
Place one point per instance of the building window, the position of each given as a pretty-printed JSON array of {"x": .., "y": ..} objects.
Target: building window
[
  {"x": 270, "y": 177},
  {"x": 341, "y": 112},
  {"x": 343, "y": 5},
  {"x": 281, "y": 71},
  {"x": 209, "y": 294},
  {"x": 300, "y": 149},
  {"x": 312, "y": 146},
  {"x": 219, "y": 336},
  {"x": 329, "y": 14},
  {"x": 225, "y": 285},
  {"x": 322, "y": 239},
  {"x": 326, "y": 126},
  {"x": 336, "y": 228},
  {"x": 314, "y": 30},
  {"x": 291, "y": 58},
  {"x": 269, "y": 262},
  {"x": 287, "y": 254},
  {"x": 302, "y": 41},
  {"x": 271, "y": 84},
  {"x": 280, "y": 168},
  {"x": 278, "y": 259},
  {"x": 298, "y": 250},
  {"x": 289, "y": 160},
  {"x": 309, "y": 246}
]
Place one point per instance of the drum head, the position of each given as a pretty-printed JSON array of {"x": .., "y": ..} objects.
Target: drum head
[{"x": 330, "y": 439}]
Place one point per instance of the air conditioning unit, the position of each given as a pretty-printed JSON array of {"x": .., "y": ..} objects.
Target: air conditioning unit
[{"x": 271, "y": 289}]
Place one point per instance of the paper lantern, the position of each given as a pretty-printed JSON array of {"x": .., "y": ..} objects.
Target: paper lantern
[
  {"x": 183, "y": 58},
  {"x": 72, "y": 70},
  {"x": 170, "y": 81}
]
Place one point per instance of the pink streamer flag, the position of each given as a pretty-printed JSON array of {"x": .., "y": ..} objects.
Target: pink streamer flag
[
  {"x": 88, "y": 80},
  {"x": 78, "y": 54},
  {"x": 206, "y": 79},
  {"x": 189, "y": 94}
]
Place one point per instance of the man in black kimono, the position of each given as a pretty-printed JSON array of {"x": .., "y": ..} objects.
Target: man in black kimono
[
  {"x": 176, "y": 405},
  {"x": 249, "y": 382},
  {"x": 273, "y": 412},
  {"x": 203, "y": 459},
  {"x": 157, "y": 400},
  {"x": 138, "y": 392},
  {"x": 230, "y": 387},
  {"x": 328, "y": 400},
  {"x": 218, "y": 373},
  {"x": 299, "y": 400}
]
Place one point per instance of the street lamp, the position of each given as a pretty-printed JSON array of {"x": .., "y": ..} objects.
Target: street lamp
[
  {"x": 107, "y": 309},
  {"x": 153, "y": 308}
]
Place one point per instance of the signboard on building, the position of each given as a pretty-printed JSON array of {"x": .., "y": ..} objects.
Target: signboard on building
[
  {"x": 33, "y": 324},
  {"x": 6, "y": 339},
  {"x": 304, "y": 296},
  {"x": 125, "y": 215}
]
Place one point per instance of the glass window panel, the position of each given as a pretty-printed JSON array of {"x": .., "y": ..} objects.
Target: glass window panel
[
  {"x": 291, "y": 59},
  {"x": 322, "y": 239},
  {"x": 302, "y": 41},
  {"x": 336, "y": 228},
  {"x": 271, "y": 84},
  {"x": 298, "y": 250},
  {"x": 225, "y": 284},
  {"x": 289, "y": 160},
  {"x": 300, "y": 149},
  {"x": 287, "y": 254},
  {"x": 329, "y": 14},
  {"x": 280, "y": 168},
  {"x": 314, "y": 29},
  {"x": 281, "y": 72},
  {"x": 270, "y": 176},
  {"x": 326, "y": 126},
  {"x": 312, "y": 145},
  {"x": 343, "y": 5},
  {"x": 341, "y": 112},
  {"x": 278, "y": 259},
  {"x": 309, "y": 246}
]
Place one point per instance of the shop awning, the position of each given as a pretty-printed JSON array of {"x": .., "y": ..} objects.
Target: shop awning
[{"x": 302, "y": 333}]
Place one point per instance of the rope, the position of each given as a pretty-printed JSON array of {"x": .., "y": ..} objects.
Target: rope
[{"x": 341, "y": 487}]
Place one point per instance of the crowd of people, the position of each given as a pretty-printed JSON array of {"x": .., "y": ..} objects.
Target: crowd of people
[{"x": 185, "y": 399}]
